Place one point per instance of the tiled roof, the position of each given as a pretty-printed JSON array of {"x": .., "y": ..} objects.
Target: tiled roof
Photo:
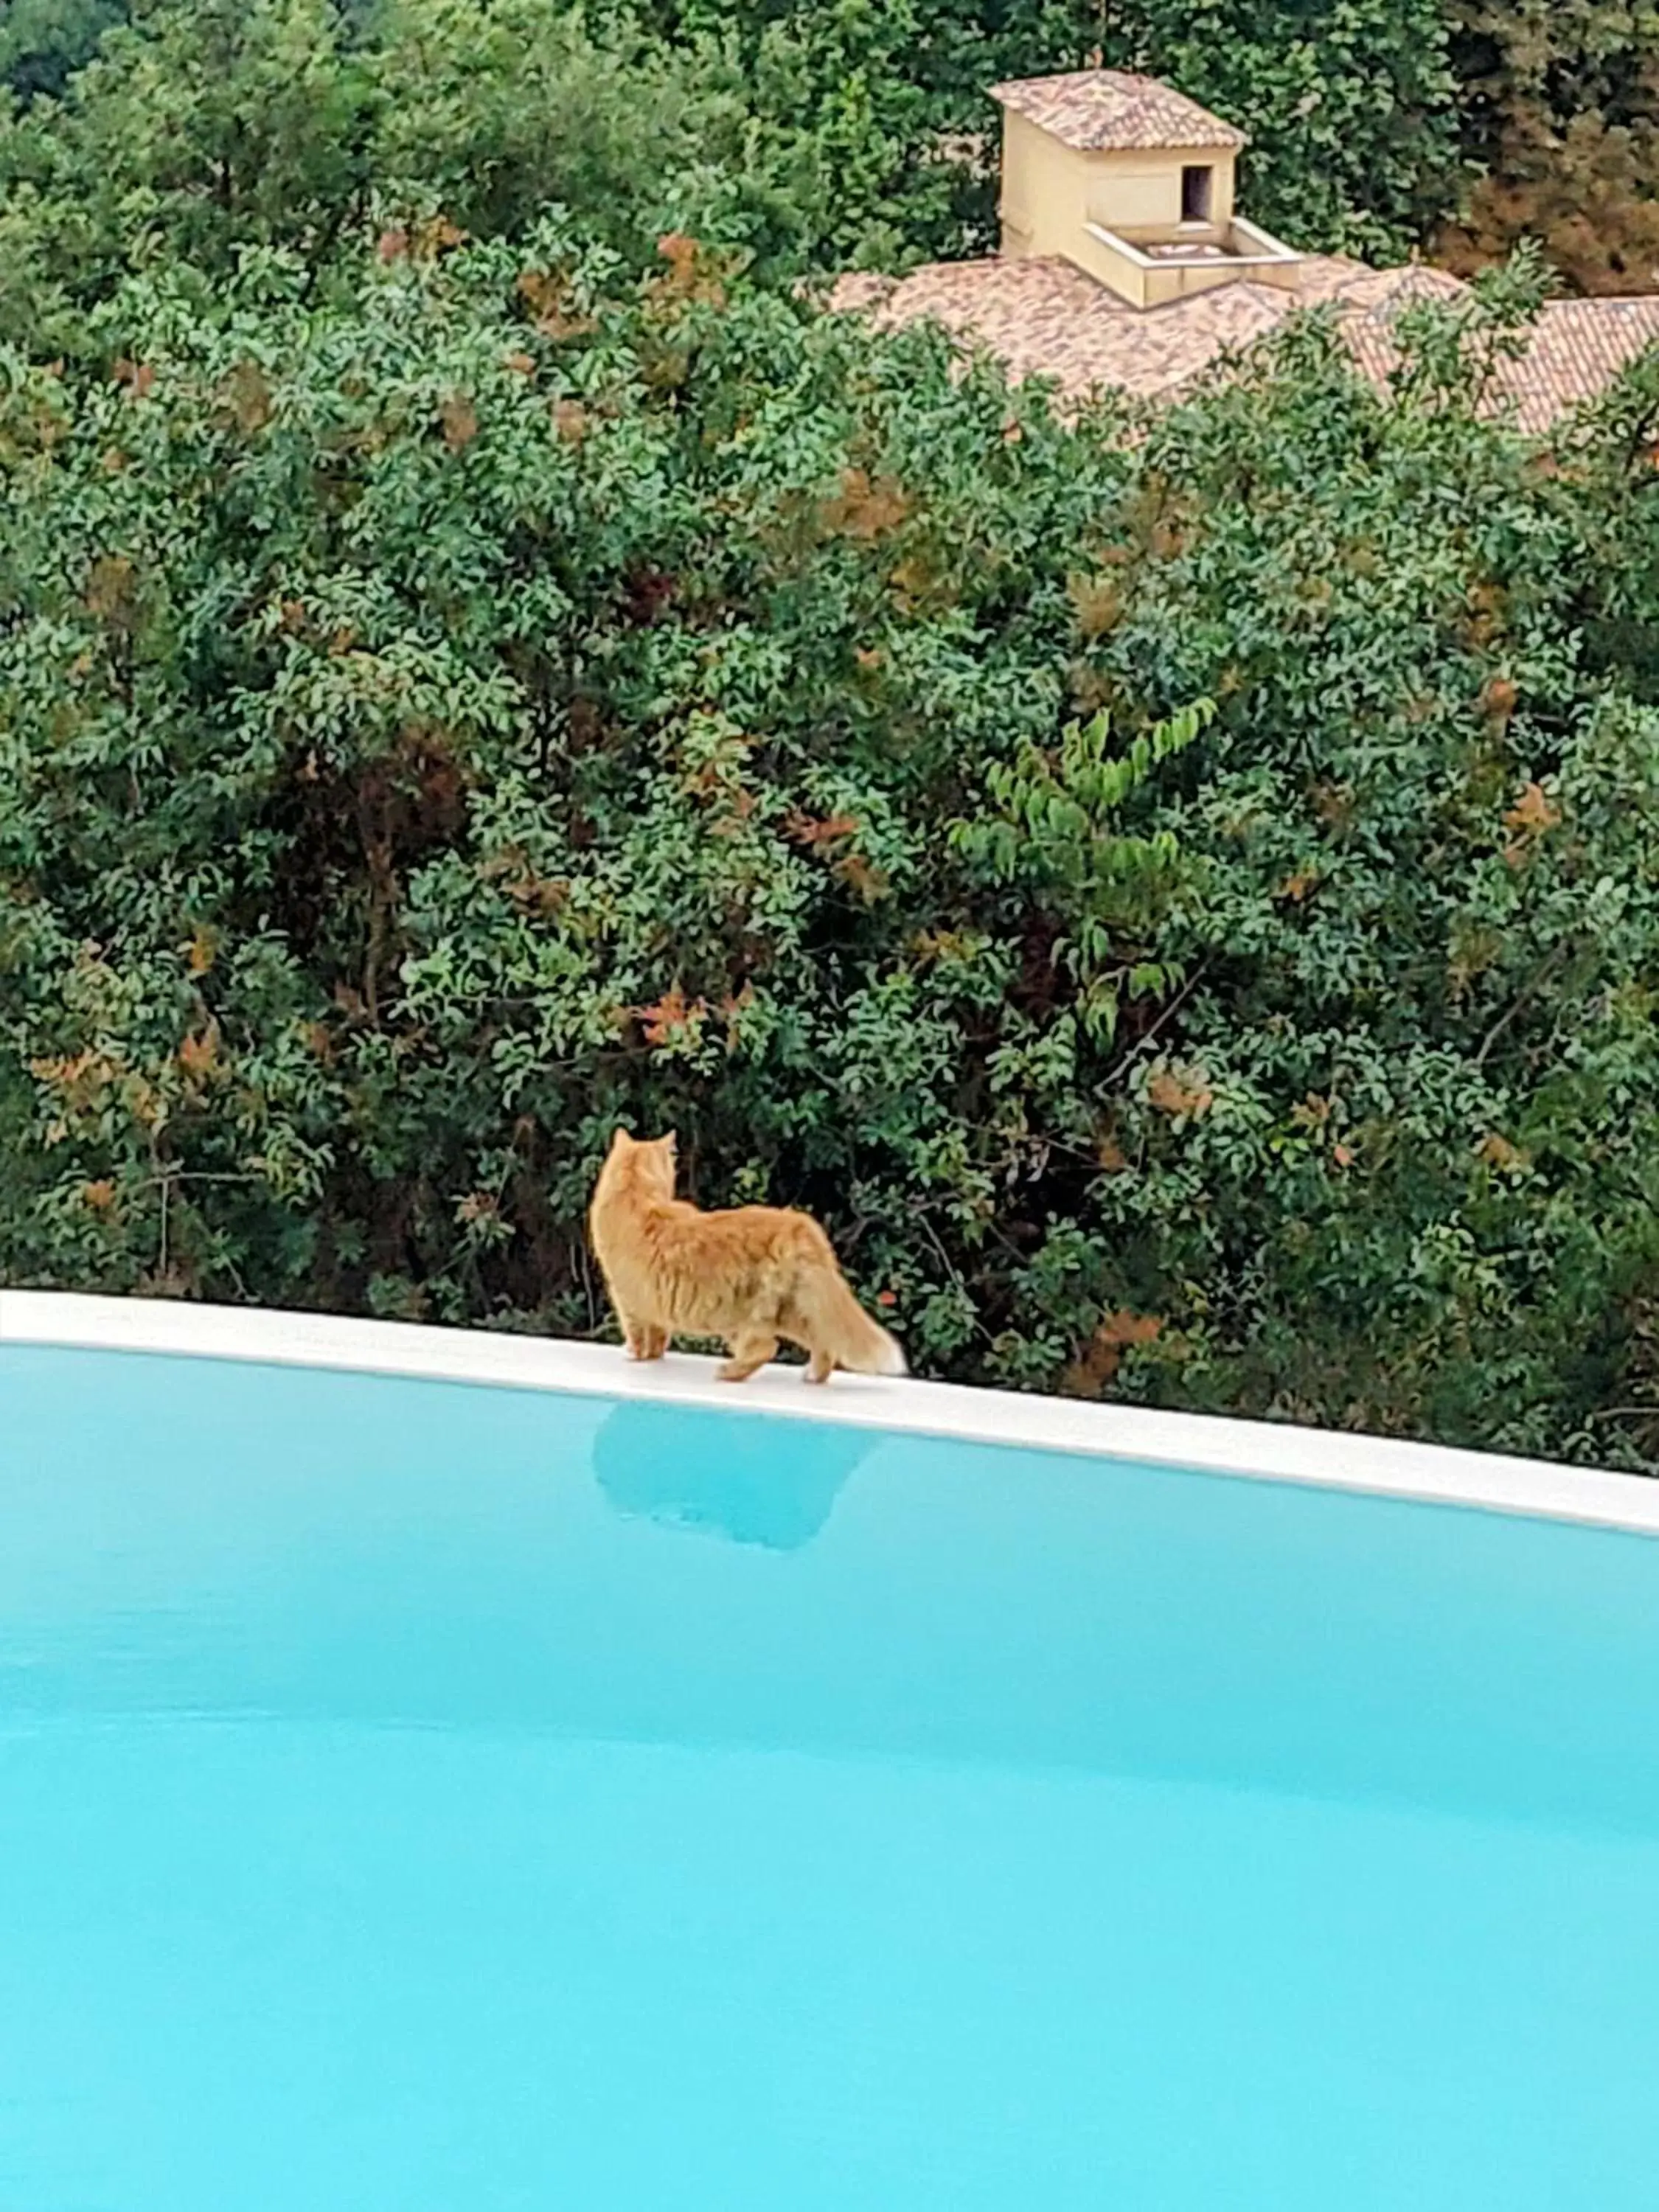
[
  {"x": 1043, "y": 317},
  {"x": 1322, "y": 277},
  {"x": 1385, "y": 291},
  {"x": 1577, "y": 349},
  {"x": 1095, "y": 109}
]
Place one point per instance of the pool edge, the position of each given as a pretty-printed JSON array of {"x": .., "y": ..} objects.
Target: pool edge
[{"x": 1258, "y": 1451}]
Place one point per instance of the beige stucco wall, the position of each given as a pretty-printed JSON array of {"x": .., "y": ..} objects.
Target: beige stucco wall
[
  {"x": 1050, "y": 193},
  {"x": 1041, "y": 186},
  {"x": 1130, "y": 279},
  {"x": 1180, "y": 280},
  {"x": 1138, "y": 194}
]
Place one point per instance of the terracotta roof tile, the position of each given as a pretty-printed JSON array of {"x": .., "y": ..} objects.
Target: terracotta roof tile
[
  {"x": 1577, "y": 347},
  {"x": 1385, "y": 291},
  {"x": 1095, "y": 109},
  {"x": 1322, "y": 277},
  {"x": 1045, "y": 317}
]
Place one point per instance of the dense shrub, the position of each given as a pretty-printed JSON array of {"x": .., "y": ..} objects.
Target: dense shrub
[
  {"x": 44, "y": 42},
  {"x": 830, "y": 132},
  {"x": 1180, "y": 904},
  {"x": 1560, "y": 105},
  {"x": 1352, "y": 112},
  {"x": 1374, "y": 127}
]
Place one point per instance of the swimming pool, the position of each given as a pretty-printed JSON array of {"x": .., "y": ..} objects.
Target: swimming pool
[{"x": 417, "y": 1797}]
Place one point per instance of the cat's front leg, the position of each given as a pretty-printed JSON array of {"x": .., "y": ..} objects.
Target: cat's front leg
[{"x": 644, "y": 1339}]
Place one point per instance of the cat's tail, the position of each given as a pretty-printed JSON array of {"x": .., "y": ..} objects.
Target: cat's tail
[{"x": 838, "y": 1326}]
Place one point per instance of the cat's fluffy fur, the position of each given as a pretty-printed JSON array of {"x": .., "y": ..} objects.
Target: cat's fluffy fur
[{"x": 755, "y": 1275}]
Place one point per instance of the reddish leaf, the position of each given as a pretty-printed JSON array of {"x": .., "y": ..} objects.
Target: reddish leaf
[
  {"x": 1499, "y": 697},
  {"x": 540, "y": 895},
  {"x": 670, "y": 1015},
  {"x": 807, "y": 830},
  {"x": 1498, "y": 1153},
  {"x": 246, "y": 396},
  {"x": 863, "y": 877},
  {"x": 1179, "y": 1093},
  {"x": 1123, "y": 1328},
  {"x": 1096, "y": 602},
  {"x": 867, "y": 506},
  {"x": 199, "y": 1055},
  {"x": 546, "y": 293},
  {"x": 460, "y": 419},
  {"x": 1103, "y": 1355},
  {"x": 569, "y": 421},
  {"x": 1531, "y": 818},
  {"x": 1532, "y": 813},
  {"x": 109, "y": 588}
]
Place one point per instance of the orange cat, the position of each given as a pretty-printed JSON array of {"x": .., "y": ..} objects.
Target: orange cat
[{"x": 752, "y": 1275}]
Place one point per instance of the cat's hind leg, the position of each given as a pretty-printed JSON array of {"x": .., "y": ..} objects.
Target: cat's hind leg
[{"x": 750, "y": 1349}]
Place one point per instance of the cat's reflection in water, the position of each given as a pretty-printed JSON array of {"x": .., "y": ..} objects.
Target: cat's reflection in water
[{"x": 749, "y": 1480}]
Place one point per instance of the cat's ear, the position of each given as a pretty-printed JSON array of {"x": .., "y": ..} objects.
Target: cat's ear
[
  {"x": 621, "y": 1141},
  {"x": 670, "y": 1141}
]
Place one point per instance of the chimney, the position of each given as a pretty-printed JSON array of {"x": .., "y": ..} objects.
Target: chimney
[{"x": 1131, "y": 182}]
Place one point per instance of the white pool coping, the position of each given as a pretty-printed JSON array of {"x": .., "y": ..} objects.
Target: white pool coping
[{"x": 1262, "y": 1450}]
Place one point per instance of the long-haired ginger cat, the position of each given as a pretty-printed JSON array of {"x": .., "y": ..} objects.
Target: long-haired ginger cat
[{"x": 755, "y": 1276}]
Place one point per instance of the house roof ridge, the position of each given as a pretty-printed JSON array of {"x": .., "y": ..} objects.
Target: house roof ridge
[{"x": 1101, "y": 110}]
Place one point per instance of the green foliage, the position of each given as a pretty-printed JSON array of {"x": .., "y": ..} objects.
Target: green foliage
[
  {"x": 211, "y": 128},
  {"x": 1374, "y": 127},
  {"x": 1351, "y": 113},
  {"x": 1561, "y": 127},
  {"x": 207, "y": 128},
  {"x": 1183, "y": 907},
  {"x": 44, "y": 42},
  {"x": 1179, "y": 896},
  {"x": 817, "y": 138}
]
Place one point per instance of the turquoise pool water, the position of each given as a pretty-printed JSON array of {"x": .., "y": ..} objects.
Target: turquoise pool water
[{"x": 424, "y": 1799}]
